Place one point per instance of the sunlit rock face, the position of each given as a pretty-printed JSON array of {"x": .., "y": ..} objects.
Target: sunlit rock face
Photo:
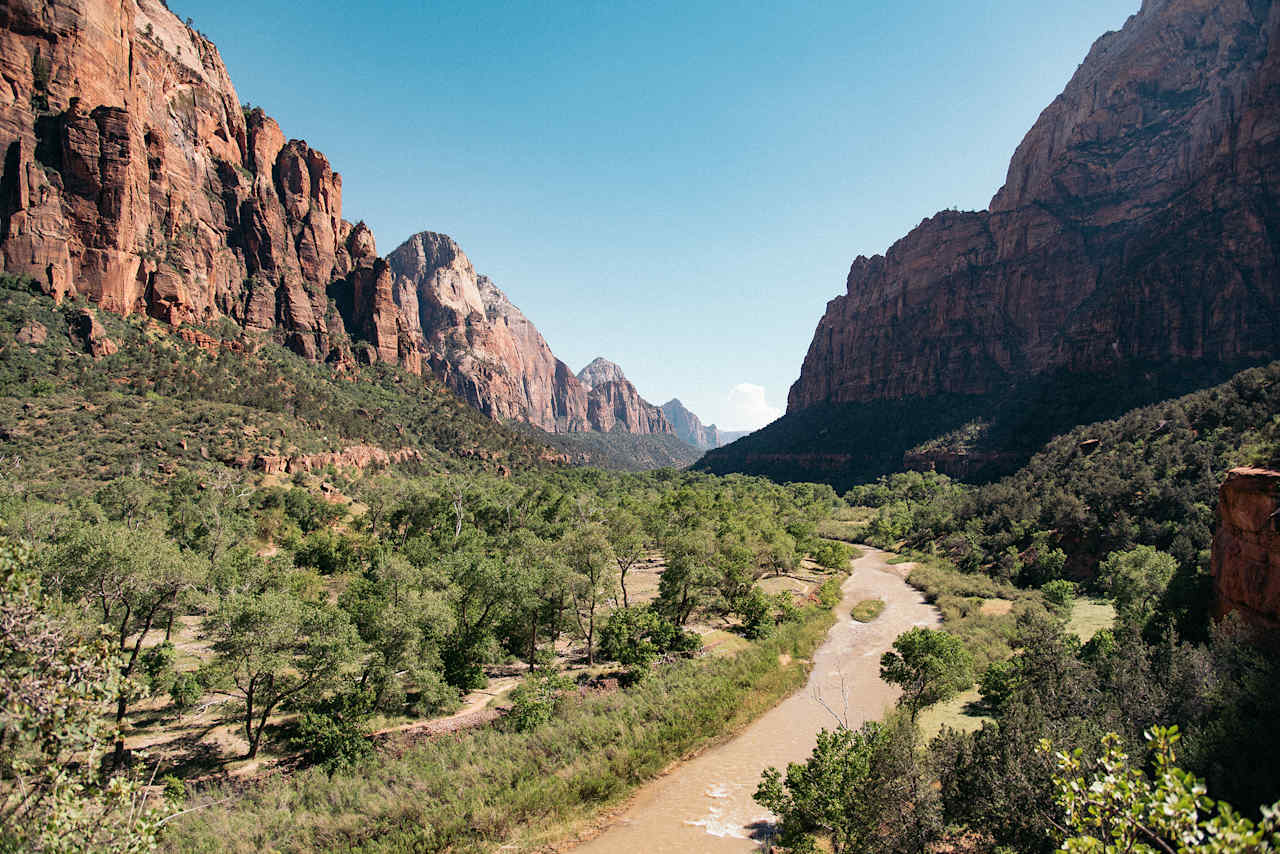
[
  {"x": 1139, "y": 222},
  {"x": 493, "y": 357},
  {"x": 133, "y": 177}
]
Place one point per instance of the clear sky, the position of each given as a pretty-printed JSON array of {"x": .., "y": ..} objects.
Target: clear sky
[{"x": 676, "y": 186}]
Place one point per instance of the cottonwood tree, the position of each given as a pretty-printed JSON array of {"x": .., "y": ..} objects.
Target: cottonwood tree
[
  {"x": 1137, "y": 580},
  {"x": 690, "y": 573},
  {"x": 929, "y": 665},
  {"x": 403, "y": 623},
  {"x": 274, "y": 646},
  {"x": 861, "y": 790},
  {"x": 592, "y": 562},
  {"x": 128, "y": 578},
  {"x": 626, "y": 538}
]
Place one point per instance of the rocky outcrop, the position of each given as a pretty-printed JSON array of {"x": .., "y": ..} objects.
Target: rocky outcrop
[
  {"x": 492, "y": 356},
  {"x": 86, "y": 330},
  {"x": 358, "y": 457},
  {"x": 1139, "y": 223},
  {"x": 691, "y": 429},
  {"x": 1246, "y": 547}
]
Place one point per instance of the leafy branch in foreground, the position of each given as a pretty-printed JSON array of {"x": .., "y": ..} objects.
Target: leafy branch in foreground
[
  {"x": 1119, "y": 809},
  {"x": 53, "y": 688}
]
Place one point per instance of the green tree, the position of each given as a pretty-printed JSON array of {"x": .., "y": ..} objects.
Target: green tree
[
  {"x": 861, "y": 790},
  {"x": 589, "y": 556},
  {"x": 929, "y": 665},
  {"x": 626, "y": 538},
  {"x": 690, "y": 574},
  {"x": 273, "y": 647},
  {"x": 128, "y": 578},
  {"x": 634, "y": 637},
  {"x": 1060, "y": 596},
  {"x": 1137, "y": 580}
]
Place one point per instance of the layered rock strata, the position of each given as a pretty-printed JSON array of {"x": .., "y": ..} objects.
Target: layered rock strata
[{"x": 1140, "y": 221}]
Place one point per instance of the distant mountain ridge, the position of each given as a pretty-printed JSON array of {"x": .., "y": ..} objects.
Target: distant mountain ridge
[{"x": 691, "y": 429}]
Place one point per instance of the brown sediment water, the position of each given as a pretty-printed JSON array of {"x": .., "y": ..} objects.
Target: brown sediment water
[{"x": 705, "y": 804}]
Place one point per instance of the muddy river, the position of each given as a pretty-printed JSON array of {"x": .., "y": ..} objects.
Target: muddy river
[{"x": 705, "y": 804}]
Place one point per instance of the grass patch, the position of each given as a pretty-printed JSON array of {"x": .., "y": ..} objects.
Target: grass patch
[
  {"x": 900, "y": 559},
  {"x": 965, "y": 602},
  {"x": 867, "y": 610},
  {"x": 963, "y": 712},
  {"x": 476, "y": 790},
  {"x": 1088, "y": 615}
]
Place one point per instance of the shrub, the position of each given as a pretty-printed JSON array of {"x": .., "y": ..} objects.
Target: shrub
[
  {"x": 335, "y": 732},
  {"x": 1059, "y": 595},
  {"x": 534, "y": 701}
]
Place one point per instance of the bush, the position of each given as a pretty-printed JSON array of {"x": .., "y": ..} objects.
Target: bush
[
  {"x": 534, "y": 701},
  {"x": 185, "y": 691},
  {"x": 334, "y": 732},
  {"x": 1060, "y": 596}
]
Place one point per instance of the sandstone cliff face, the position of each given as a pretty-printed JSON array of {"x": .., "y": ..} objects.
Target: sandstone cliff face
[
  {"x": 492, "y": 356},
  {"x": 133, "y": 177},
  {"x": 1246, "y": 547},
  {"x": 1139, "y": 222}
]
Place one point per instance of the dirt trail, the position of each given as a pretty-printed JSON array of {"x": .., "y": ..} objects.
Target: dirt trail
[{"x": 705, "y": 804}]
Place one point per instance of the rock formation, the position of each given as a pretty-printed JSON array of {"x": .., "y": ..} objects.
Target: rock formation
[
  {"x": 691, "y": 429},
  {"x": 599, "y": 372},
  {"x": 1246, "y": 547},
  {"x": 133, "y": 177},
  {"x": 1139, "y": 222},
  {"x": 492, "y": 356}
]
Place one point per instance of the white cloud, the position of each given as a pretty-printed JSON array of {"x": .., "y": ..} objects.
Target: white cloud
[{"x": 747, "y": 408}]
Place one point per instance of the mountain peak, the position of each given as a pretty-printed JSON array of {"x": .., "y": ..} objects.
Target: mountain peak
[{"x": 599, "y": 372}]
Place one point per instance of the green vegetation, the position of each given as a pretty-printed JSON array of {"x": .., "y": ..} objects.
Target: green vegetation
[
  {"x": 980, "y": 437},
  {"x": 303, "y": 626},
  {"x": 491, "y": 786},
  {"x": 867, "y": 610}
]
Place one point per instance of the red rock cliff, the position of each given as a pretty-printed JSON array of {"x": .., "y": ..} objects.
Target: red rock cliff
[
  {"x": 132, "y": 176},
  {"x": 1246, "y": 547},
  {"x": 1139, "y": 221}
]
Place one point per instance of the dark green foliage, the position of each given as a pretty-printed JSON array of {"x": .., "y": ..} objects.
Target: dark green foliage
[
  {"x": 534, "y": 702},
  {"x": 992, "y": 434},
  {"x": 929, "y": 665},
  {"x": 335, "y": 732},
  {"x": 830, "y": 554},
  {"x": 635, "y": 636},
  {"x": 862, "y": 790}
]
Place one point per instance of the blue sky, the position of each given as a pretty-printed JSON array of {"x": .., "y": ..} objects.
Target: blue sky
[{"x": 676, "y": 186}]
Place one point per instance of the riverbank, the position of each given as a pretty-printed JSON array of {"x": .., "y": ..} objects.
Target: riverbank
[
  {"x": 705, "y": 805},
  {"x": 474, "y": 791}
]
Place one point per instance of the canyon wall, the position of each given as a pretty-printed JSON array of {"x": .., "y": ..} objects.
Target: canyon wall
[
  {"x": 1139, "y": 222},
  {"x": 134, "y": 178},
  {"x": 1246, "y": 547}
]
